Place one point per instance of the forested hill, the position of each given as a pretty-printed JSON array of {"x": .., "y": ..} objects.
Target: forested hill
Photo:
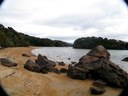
[
  {"x": 91, "y": 42},
  {"x": 11, "y": 38}
]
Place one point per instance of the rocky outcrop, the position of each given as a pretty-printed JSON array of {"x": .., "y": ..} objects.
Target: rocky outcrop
[
  {"x": 100, "y": 52},
  {"x": 7, "y": 62},
  {"x": 42, "y": 65},
  {"x": 77, "y": 73},
  {"x": 42, "y": 61},
  {"x": 30, "y": 65},
  {"x": 100, "y": 67}
]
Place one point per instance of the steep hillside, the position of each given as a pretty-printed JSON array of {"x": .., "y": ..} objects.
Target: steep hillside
[{"x": 11, "y": 38}]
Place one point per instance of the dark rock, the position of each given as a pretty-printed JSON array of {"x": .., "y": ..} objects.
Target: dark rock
[
  {"x": 63, "y": 70},
  {"x": 113, "y": 74},
  {"x": 77, "y": 73},
  {"x": 48, "y": 68},
  {"x": 43, "y": 70},
  {"x": 100, "y": 67},
  {"x": 30, "y": 65},
  {"x": 99, "y": 51},
  {"x": 125, "y": 59},
  {"x": 25, "y": 55},
  {"x": 73, "y": 62},
  {"x": 56, "y": 71},
  {"x": 69, "y": 58},
  {"x": 61, "y": 63},
  {"x": 7, "y": 62},
  {"x": 85, "y": 61},
  {"x": 97, "y": 91},
  {"x": 42, "y": 61},
  {"x": 99, "y": 83},
  {"x": 109, "y": 72}
]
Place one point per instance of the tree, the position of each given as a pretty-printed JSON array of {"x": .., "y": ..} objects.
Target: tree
[
  {"x": 11, "y": 38},
  {"x": 91, "y": 42},
  {"x": 3, "y": 39}
]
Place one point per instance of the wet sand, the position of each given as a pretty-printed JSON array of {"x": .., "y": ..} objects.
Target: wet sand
[{"x": 18, "y": 81}]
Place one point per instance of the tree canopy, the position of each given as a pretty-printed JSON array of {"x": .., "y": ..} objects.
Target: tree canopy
[
  {"x": 11, "y": 38},
  {"x": 91, "y": 42}
]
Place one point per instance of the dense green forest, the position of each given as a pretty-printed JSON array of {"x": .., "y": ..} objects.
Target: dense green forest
[
  {"x": 11, "y": 38},
  {"x": 91, "y": 42}
]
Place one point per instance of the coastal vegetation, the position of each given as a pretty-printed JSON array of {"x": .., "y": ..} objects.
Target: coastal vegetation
[
  {"x": 91, "y": 42},
  {"x": 11, "y": 38}
]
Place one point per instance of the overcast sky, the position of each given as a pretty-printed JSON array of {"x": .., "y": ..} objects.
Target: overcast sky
[{"x": 67, "y": 20}]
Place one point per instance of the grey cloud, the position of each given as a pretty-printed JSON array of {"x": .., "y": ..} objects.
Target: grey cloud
[
  {"x": 82, "y": 21},
  {"x": 91, "y": 19}
]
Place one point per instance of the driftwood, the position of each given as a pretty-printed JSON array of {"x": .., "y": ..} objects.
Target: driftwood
[{"x": 10, "y": 74}]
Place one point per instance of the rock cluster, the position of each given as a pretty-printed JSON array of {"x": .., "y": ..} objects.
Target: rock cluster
[
  {"x": 42, "y": 64},
  {"x": 96, "y": 64}
]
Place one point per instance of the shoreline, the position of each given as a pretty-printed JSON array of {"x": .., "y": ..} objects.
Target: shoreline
[
  {"x": 27, "y": 83},
  {"x": 115, "y": 57}
]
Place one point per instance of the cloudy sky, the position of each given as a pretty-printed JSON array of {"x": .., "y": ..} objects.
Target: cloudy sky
[{"x": 67, "y": 20}]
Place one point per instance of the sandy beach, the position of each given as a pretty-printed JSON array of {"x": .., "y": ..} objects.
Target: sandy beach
[{"x": 18, "y": 81}]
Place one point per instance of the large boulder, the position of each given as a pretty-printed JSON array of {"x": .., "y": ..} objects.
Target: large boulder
[
  {"x": 99, "y": 51},
  {"x": 30, "y": 65},
  {"x": 108, "y": 71},
  {"x": 7, "y": 62},
  {"x": 112, "y": 73},
  {"x": 85, "y": 61},
  {"x": 92, "y": 56},
  {"x": 77, "y": 73},
  {"x": 100, "y": 67},
  {"x": 42, "y": 61}
]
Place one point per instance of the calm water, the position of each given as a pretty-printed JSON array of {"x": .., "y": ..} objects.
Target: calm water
[{"x": 64, "y": 53}]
